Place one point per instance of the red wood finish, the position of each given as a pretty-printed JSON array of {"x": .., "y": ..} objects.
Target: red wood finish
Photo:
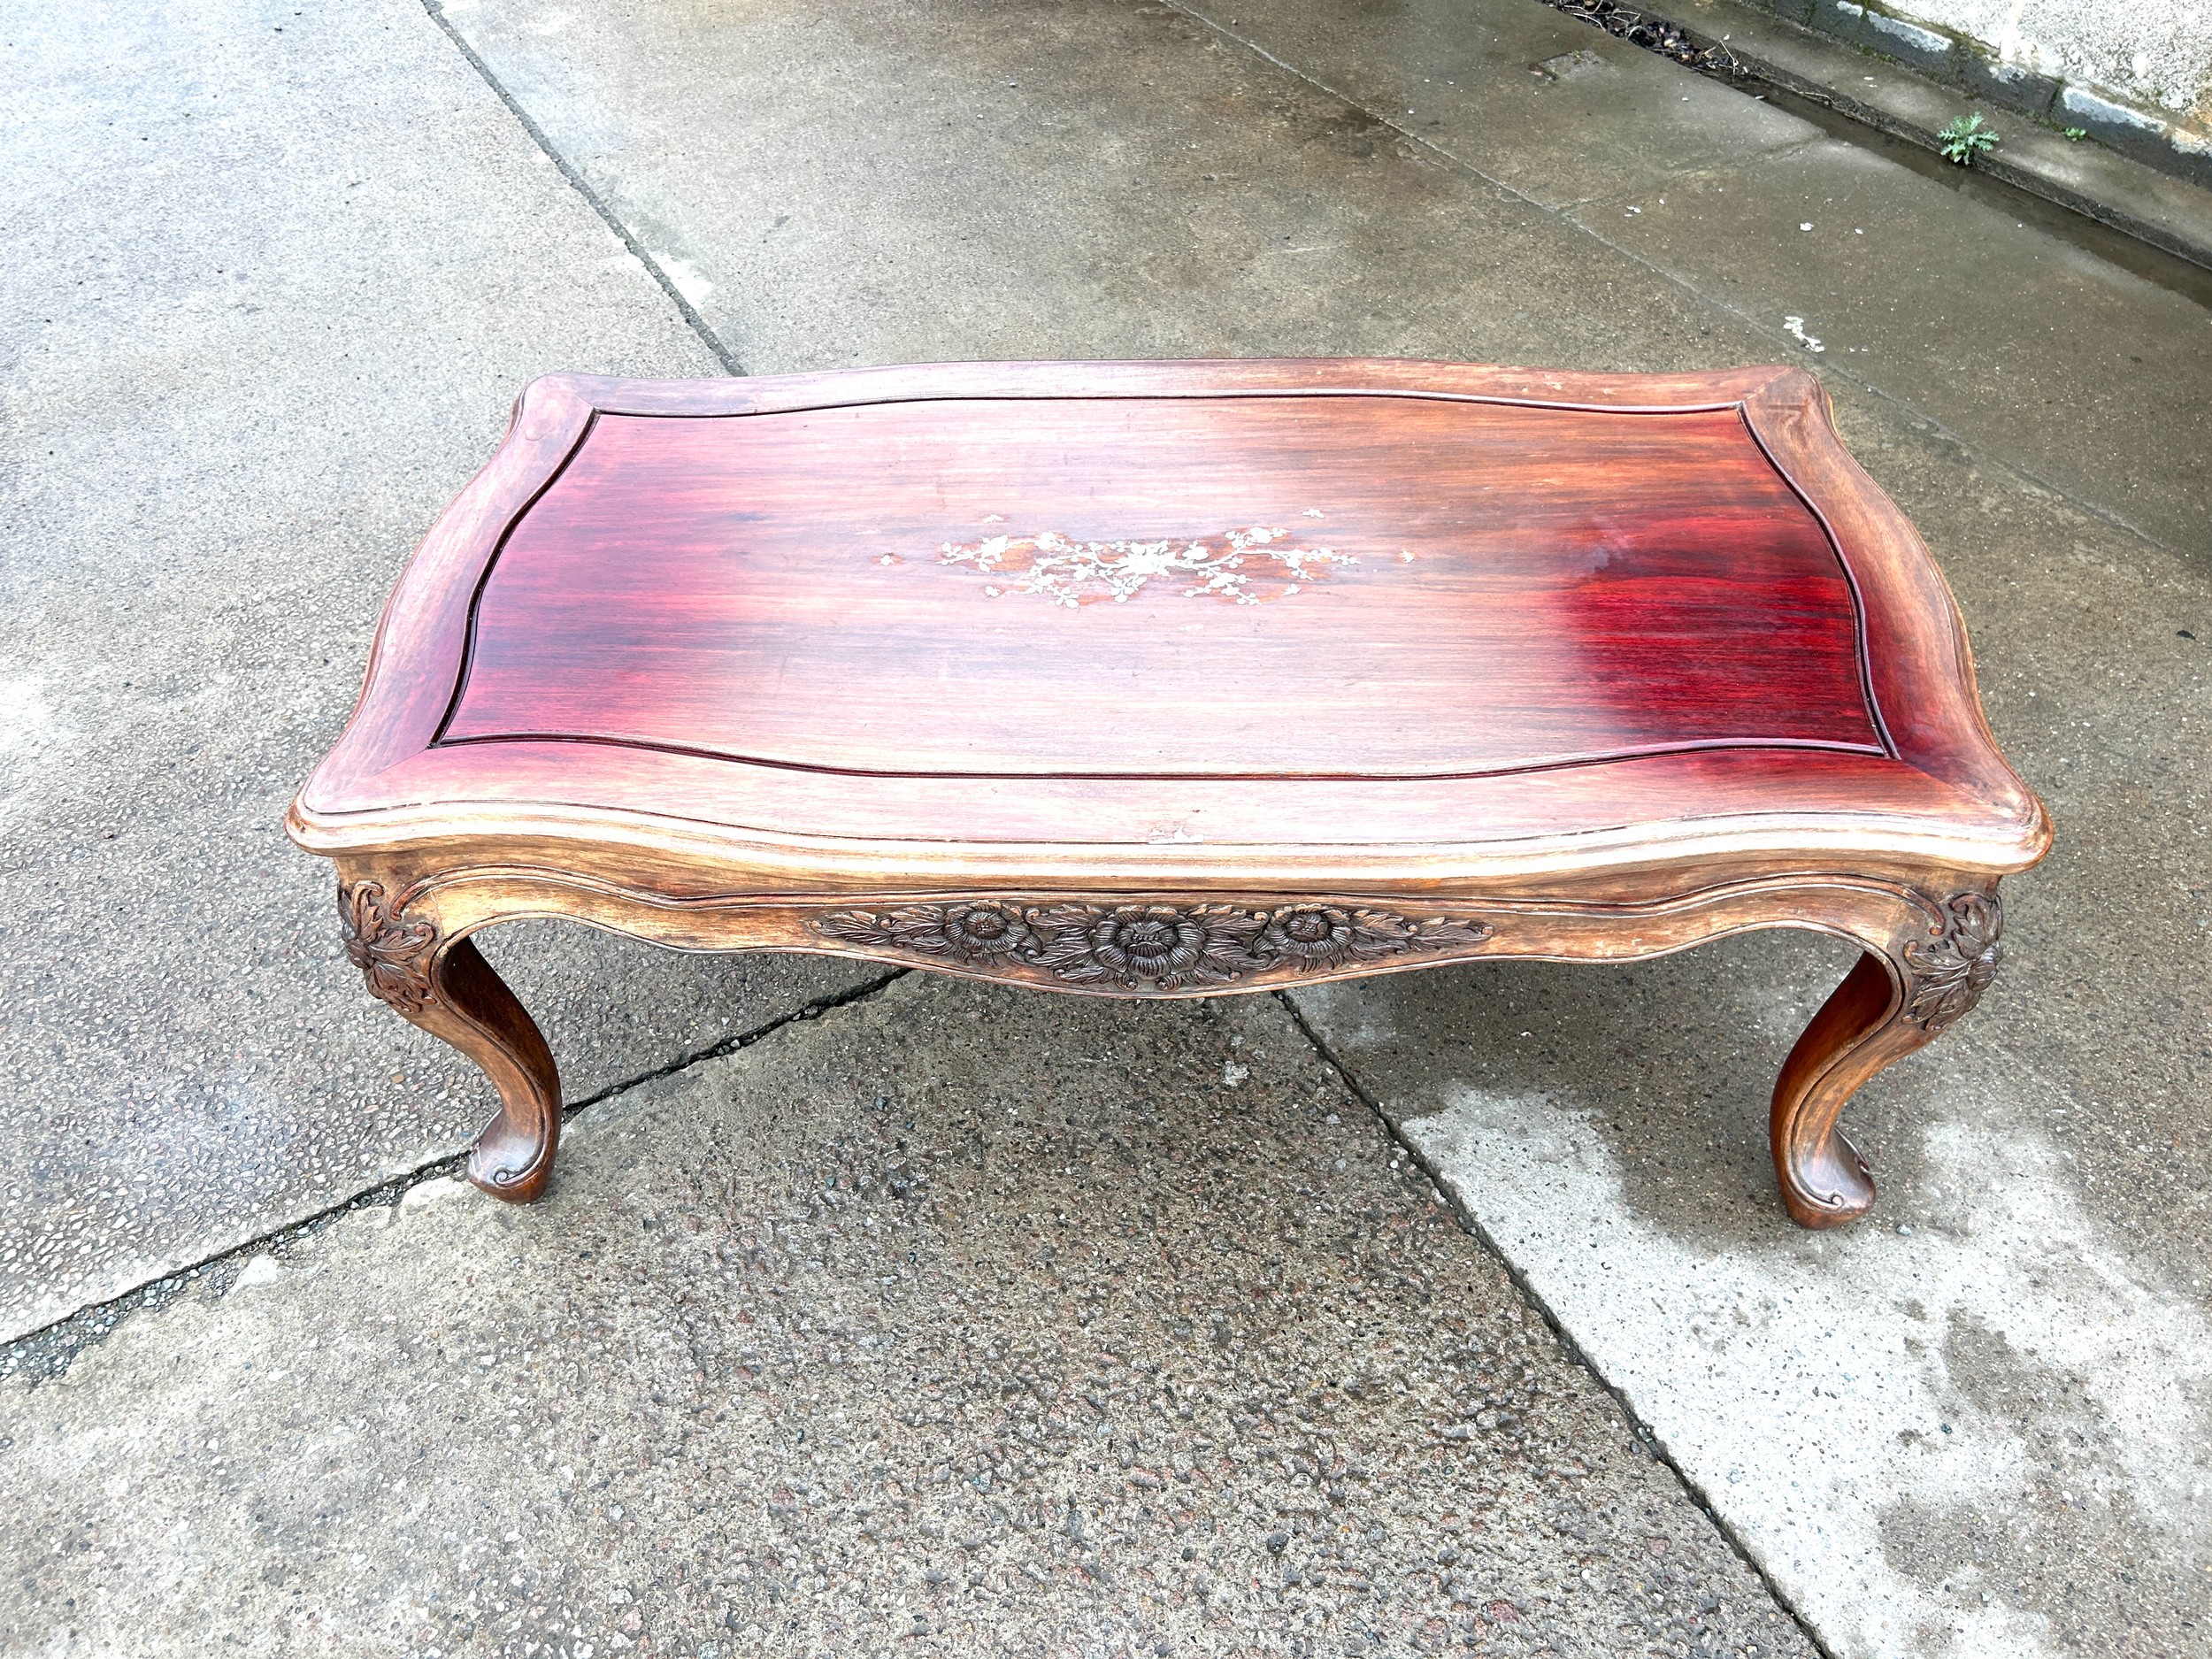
[
  {"x": 1166, "y": 679},
  {"x": 1630, "y": 600},
  {"x": 1273, "y": 587}
]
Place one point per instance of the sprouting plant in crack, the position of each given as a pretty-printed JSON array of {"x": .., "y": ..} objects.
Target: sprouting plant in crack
[
  {"x": 1965, "y": 139},
  {"x": 2077, "y": 132}
]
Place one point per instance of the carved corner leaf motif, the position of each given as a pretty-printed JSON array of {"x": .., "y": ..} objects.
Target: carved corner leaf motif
[
  {"x": 964, "y": 932},
  {"x": 1949, "y": 974},
  {"x": 1444, "y": 932},
  {"x": 393, "y": 955},
  {"x": 1148, "y": 947}
]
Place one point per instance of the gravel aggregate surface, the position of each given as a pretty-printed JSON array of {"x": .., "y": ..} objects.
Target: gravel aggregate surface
[{"x": 957, "y": 1320}]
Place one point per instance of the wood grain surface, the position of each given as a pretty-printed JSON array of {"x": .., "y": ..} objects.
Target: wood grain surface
[{"x": 1170, "y": 587}]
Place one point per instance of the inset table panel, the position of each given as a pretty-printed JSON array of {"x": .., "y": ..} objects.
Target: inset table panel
[{"x": 1338, "y": 586}]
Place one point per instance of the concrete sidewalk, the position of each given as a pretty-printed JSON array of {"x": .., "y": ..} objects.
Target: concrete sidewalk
[
  {"x": 279, "y": 270},
  {"x": 275, "y": 276}
]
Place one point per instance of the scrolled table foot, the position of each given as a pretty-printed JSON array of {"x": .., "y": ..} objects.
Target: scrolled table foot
[
  {"x": 445, "y": 986},
  {"x": 1895, "y": 1000}
]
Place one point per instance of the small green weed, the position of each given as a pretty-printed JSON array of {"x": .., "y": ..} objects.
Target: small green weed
[
  {"x": 2077, "y": 133},
  {"x": 1966, "y": 138}
]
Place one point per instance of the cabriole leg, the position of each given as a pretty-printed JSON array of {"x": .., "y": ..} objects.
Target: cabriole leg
[
  {"x": 447, "y": 988},
  {"x": 1887, "y": 1006}
]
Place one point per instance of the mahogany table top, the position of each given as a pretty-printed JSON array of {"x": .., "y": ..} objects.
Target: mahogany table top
[
  {"x": 1163, "y": 680},
  {"x": 991, "y": 620}
]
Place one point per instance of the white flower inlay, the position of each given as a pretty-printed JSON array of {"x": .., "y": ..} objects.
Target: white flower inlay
[{"x": 1067, "y": 571}]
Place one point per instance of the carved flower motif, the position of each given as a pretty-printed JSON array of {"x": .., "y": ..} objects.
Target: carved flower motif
[
  {"x": 1154, "y": 942},
  {"x": 980, "y": 931},
  {"x": 1950, "y": 974},
  {"x": 1162, "y": 946},
  {"x": 1166, "y": 944},
  {"x": 1308, "y": 935},
  {"x": 394, "y": 955}
]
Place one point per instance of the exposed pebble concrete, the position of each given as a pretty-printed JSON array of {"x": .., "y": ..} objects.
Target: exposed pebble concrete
[
  {"x": 958, "y": 1321},
  {"x": 2155, "y": 53}
]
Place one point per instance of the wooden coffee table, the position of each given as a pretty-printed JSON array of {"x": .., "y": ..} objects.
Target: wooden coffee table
[{"x": 1177, "y": 679}]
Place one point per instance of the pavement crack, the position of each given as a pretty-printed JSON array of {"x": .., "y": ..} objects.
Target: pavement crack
[
  {"x": 46, "y": 1351},
  {"x": 814, "y": 1010},
  {"x": 582, "y": 188},
  {"x": 1645, "y": 1436}
]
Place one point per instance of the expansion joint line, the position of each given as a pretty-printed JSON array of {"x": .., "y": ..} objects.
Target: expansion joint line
[
  {"x": 1646, "y": 1437},
  {"x": 821, "y": 1006},
  {"x": 582, "y": 186},
  {"x": 113, "y": 1309}
]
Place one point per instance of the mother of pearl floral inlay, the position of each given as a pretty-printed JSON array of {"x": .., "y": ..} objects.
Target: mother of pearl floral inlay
[{"x": 1236, "y": 566}]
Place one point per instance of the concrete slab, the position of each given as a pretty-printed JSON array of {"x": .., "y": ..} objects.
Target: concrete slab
[
  {"x": 959, "y": 1320},
  {"x": 1095, "y": 180},
  {"x": 2073, "y": 369},
  {"x": 274, "y": 275},
  {"x": 1977, "y": 1424}
]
